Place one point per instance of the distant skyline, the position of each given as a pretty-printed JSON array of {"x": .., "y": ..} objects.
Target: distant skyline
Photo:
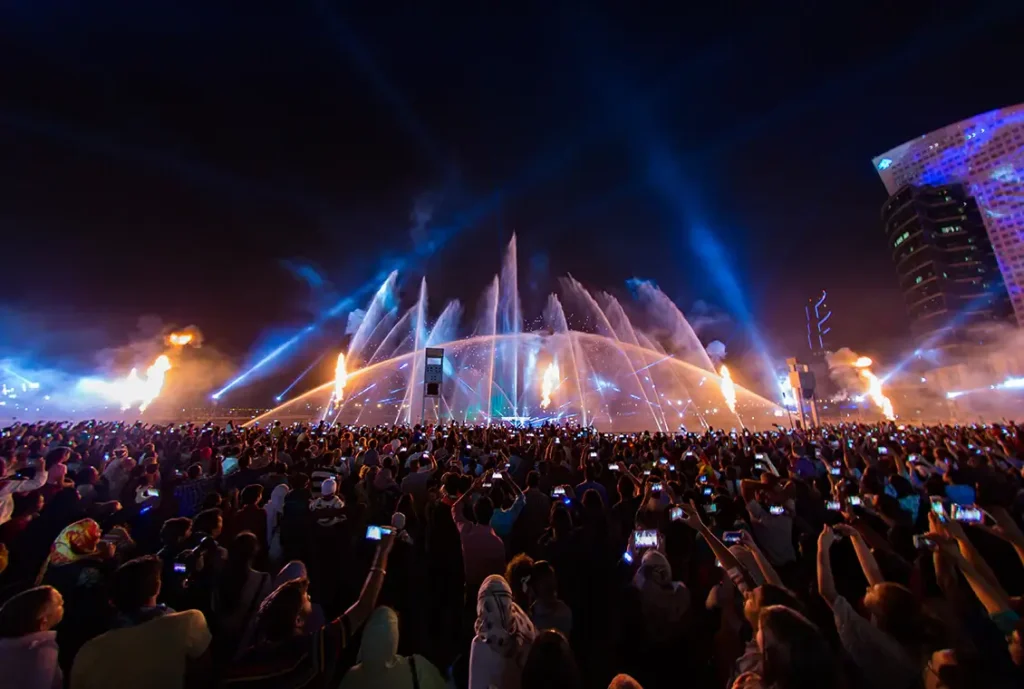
[{"x": 244, "y": 170}]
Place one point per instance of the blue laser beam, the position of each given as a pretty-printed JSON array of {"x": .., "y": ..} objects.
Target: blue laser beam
[{"x": 300, "y": 377}]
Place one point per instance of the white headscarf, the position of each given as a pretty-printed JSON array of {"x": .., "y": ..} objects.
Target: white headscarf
[
  {"x": 276, "y": 506},
  {"x": 663, "y": 601},
  {"x": 500, "y": 622}
]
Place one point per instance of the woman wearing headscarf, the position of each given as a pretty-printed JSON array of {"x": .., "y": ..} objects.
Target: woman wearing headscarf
[
  {"x": 663, "y": 602},
  {"x": 275, "y": 508},
  {"x": 294, "y": 571},
  {"x": 379, "y": 664},
  {"x": 78, "y": 566},
  {"x": 504, "y": 634}
]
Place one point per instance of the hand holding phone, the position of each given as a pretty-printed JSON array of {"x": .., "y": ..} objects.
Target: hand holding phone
[{"x": 375, "y": 533}]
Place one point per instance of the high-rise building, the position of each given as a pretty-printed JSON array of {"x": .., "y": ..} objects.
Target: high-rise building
[
  {"x": 818, "y": 327},
  {"x": 946, "y": 266},
  {"x": 985, "y": 154}
]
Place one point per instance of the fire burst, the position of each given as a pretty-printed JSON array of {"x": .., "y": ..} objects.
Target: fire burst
[
  {"x": 180, "y": 339},
  {"x": 340, "y": 378},
  {"x": 134, "y": 389},
  {"x": 728, "y": 389},
  {"x": 548, "y": 384},
  {"x": 875, "y": 388}
]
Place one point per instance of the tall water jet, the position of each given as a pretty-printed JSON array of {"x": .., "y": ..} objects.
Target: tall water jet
[
  {"x": 419, "y": 337},
  {"x": 554, "y": 318},
  {"x": 604, "y": 326},
  {"x": 511, "y": 322},
  {"x": 681, "y": 339},
  {"x": 379, "y": 307}
]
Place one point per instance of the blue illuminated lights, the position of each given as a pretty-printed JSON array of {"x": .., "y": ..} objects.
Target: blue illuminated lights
[{"x": 884, "y": 163}]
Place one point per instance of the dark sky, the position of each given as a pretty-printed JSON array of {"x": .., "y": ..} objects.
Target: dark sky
[{"x": 188, "y": 159}]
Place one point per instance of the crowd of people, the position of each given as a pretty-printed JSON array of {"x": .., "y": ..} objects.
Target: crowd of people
[{"x": 319, "y": 555}]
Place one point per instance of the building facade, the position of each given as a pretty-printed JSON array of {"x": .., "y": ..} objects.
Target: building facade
[
  {"x": 946, "y": 265},
  {"x": 985, "y": 154}
]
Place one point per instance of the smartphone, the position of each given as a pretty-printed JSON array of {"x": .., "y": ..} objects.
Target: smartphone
[
  {"x": 711, "y": 508},
  {"x": 25, "y": 473},
  {"x": 835, "y": 471},
  {"x": 647, "y": 472},
  {"x": 817, "y": 453},
  {"x": 732, "y": 537},
  {"x": 593, "y": 455},
  {"x": 688, "y": 454},
  {"x": 914, "y": 458},
  {"x": 760, "y": 466},
  {"x": 969, "y": 514},
  {"x": 759, "y": 456},
  {"x": 671, "y": 467},
  {"x": 496, "y": 475},
  {"x": 612, "y": 466},
  {"x": 558, "y": 441},
  {"x": 151, "y": 492},
  {"x": 854, "y": 500},
  {"x": 708, "y": 491},
  {"x": 558, "y": 491},
  {"x": 849, "y": 443},
  {"x": 469, "y": 447},
  {"x": 655, "y": 487},
  {"x": 662, "y": 461},
  {"x": 647, "y": 538},
  {"x": 833, "y": 506},
  {"x": 776, "y": 509},
  {"x": 922, "y": 542},
  {"x": 487, "y": 484},
  {"x": 374, "y": 533},
  {"x": 180, "y": 568},
  {"x": 938, "y": 506},
  {"x": 883, "y": 450},
  {"x": 675, "y": 514}
]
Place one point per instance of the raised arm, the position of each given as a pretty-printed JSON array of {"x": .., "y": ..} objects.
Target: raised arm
[
  {"x": 1007, "y": 529},
  {"x": 732, "y": 566},
  {"x": 990, "y": 594},
  {"x": 826, "y": 583},
  {"x": 367, "y": 601},
  {"x": 868, "y": 563},
  {"x": 767, "y": 571}
]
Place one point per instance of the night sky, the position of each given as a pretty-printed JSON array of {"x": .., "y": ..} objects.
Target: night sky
[{"x": 241, "y": 166}]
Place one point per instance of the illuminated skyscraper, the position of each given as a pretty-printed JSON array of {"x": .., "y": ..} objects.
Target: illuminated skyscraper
[{"x": 985, "y": 154}]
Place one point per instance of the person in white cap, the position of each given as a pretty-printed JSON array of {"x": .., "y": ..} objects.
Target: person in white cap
[{"x": 328, "y": 500}]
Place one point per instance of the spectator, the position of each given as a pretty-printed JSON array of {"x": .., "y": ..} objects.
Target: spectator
[
  {"x": 379, "y": 664},
  {"x": 285, "y": 655},
  {"x": 536, "y": 510},
  {"x": 663, "y": 602},
  {"x": 274, "y": 510},
  {"x": 250, "y": 516},
  {"x": 28, "y": 644},
  {"x": 20, "y": 481},
  {"x": 548, "y": 610},
  {"x": 503, "y": 519},
  {"x": 504, "y": 634},
  {"x": 483, "y": 552},
  {"x": 518, "y": 574},
  {"x": 151, "y": 646},
  {"x": 551, "y": 664},
  {"x": 242, "y": 590}
]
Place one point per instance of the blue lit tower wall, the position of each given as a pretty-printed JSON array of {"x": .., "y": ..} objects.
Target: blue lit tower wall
[
  {"x": 986, "y": 154},
  {"x": 818, "y": 314}
]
